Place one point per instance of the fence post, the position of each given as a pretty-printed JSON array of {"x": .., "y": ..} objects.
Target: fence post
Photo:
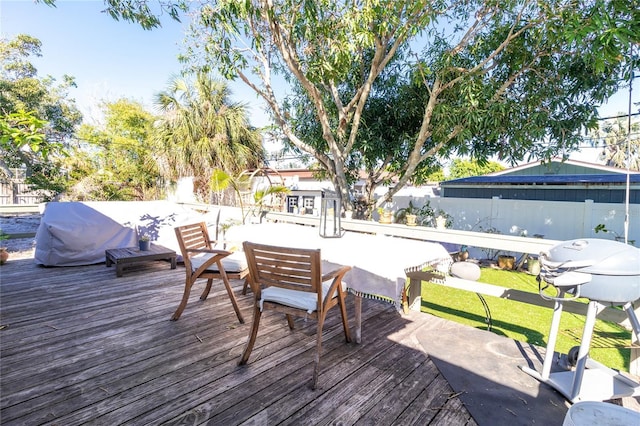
[
  {"x": 495, "y": 209},
  {"x": 587, "y": 218},
  {"x": 14, "y": 192}
]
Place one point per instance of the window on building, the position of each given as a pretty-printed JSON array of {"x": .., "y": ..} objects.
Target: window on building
[
  {"x": 292, "y": 204},
  {"x": 308, "y": 204}
]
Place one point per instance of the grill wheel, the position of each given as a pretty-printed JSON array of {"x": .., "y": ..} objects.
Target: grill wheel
[{"x": 572, "y": 356}]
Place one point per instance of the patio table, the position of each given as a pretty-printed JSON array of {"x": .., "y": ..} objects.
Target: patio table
[
  {"x": 380, "y": 264},
  {"x": 122, "y": 257}
]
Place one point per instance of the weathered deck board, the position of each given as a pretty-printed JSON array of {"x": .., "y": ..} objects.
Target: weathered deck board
[{"x": 81, "y": 346}]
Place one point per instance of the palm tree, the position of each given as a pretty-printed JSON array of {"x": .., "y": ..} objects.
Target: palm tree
[
  {"x": 620, "y": 146},
  {"x": 202, "y": 130}
]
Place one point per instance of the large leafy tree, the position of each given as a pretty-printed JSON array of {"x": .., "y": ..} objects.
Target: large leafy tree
[
  {"x": 515, "y": 83},
  {"x": 37, "y": 117},
  {"x": 201, "y": 129},
  {"x": 116, "y": 161},
  {"x": 506, "y": 78},
  {"x": 318, "y": 44},
  {"x": 390, "y": 120}
]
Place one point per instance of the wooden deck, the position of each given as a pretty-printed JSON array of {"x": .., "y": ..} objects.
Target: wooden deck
[{"x": 80, "y": 346}]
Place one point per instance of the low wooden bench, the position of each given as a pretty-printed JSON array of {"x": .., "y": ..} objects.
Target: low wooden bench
[{"x": 129, "y": 255}]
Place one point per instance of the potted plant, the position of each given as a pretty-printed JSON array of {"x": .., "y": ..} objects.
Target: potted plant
[
  {"x": 4, "y": 254},
  {"x": 506, "y": 261},
  {"x": 385, "y": 215},
  {"x": 533, "y": 265},
  {"x": 443, "y": 219},
  {"x": 144, "y": 242},
  {"x": 408, "y": 215}
]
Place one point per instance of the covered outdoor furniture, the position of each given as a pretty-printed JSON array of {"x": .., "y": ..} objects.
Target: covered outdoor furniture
[
  {"x": 78, "y": 233},
  {"x": 202, "y": 260},
  {"x": 290, "y": 280}
]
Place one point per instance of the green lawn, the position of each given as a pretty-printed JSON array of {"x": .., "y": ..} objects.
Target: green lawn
[{"x": 524, "y": 322}]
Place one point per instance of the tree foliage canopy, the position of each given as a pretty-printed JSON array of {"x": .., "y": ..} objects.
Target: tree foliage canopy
[
  {"x": 508, "y": 78},
  {"x": 467, "y": 168},
  {"x": 201, "y": 129},
  {"x": 318, "y": 44},
  {"x": 116, "y": 161},
  {"x": 37, "y": 117},
  {"x": 22, "y": 90}
]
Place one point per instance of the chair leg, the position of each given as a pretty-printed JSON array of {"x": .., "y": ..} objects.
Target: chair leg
[
  {"x": 316, "y": 367},
  {"x": 245, "y": 286},
  {"x": 345, "y": 323},
  {"x": 207, "y": 289},
  {"x": 183, "y": 303},
  {"x": 234, "y": 302},
  {"x": 290, "y": 322},
  {"x": 252, "y": 337}
]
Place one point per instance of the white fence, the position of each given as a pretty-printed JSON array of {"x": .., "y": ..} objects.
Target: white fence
[{"x": 556, "y": 220}]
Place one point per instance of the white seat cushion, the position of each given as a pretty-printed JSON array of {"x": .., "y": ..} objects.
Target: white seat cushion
[
  {"x": 296, "y": 298},
  {"x": 235, "y": 262}
]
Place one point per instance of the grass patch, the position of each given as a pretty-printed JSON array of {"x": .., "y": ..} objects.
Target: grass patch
[{"x": 524, "y": 322}]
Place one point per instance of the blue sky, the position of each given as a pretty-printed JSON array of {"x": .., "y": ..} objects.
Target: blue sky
[
  {"x": 112, "y": 59},
  {"x": 109, "y": 59}
]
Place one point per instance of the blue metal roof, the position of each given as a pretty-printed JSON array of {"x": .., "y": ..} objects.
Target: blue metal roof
[{"x": 546, "y": 180}]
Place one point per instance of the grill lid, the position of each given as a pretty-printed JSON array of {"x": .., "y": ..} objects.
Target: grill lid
[{"x": 595, "y": 256}]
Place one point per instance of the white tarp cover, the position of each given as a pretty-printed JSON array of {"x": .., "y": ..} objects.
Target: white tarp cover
[{"x": 78, "y": 233}]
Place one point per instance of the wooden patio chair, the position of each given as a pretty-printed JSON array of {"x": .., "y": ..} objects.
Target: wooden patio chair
[
  {"x": 289, "y": 280},
  {"x": 201, "y": 260}
]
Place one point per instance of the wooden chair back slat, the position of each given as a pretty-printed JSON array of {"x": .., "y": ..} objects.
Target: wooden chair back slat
[{"x": 295, "y": 269}]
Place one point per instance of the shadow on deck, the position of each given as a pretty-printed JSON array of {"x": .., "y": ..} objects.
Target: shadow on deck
[{"x": 80, "y": 346}]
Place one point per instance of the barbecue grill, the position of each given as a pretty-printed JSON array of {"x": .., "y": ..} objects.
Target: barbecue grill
[{"x": 608, "y": 274}]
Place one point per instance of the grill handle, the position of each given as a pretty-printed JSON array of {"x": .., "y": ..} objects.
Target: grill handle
[
  {"x": 566, "y": 282},
  {"x": 567, "y": 264},
  {"x": 569, "y": 279}
]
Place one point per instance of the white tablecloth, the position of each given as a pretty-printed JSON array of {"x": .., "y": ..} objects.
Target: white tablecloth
[{"x": 379, "y": 263}]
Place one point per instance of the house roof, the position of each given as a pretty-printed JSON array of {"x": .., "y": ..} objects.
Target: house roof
[
  {"x": 300, "y": 173},
  {"x": 545, "y": 179},
  {"x": 558, "y": 161}
]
